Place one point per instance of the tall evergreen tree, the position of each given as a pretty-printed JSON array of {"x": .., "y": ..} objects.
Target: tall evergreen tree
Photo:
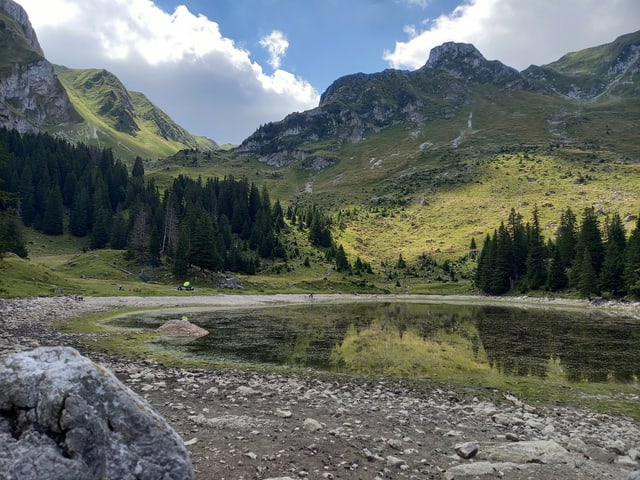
[
  {"x": 519, "y": 244},
  {"x": 485, "y": 264},
  {"x": 100, "y": 233},
  {"x": 612, "y": 273},
  {"x": 342, "y": 263},
  {"x": 589, "y": 240},
  {"x": 52, "y": 220},
  {"x": 536, "y": 274},
  {"x": 140, "y": 235},
  {"x": 27, "y": 196},
  {"x": 501, "y": 279},
  {"x": 79, "y": 215},
  {"x": 567, "y": 238},
  {"x": 556, "y": 274},
  {"x": 181, "y": 259},
  {"x": 11, "y": 236},
  {"x": 203, "y": 252},
  {"x": 632, "y": 262},
  {"x": 588, "y": 279}
]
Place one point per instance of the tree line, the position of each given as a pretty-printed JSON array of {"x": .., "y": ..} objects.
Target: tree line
[
  {"x": 587, "y": 257},
  {"x": 55, "y": 187}
]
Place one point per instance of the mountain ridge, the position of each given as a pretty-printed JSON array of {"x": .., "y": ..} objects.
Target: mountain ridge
[
  {"x": 36, "y": 96},
  {"x": 455, "y": 75}
]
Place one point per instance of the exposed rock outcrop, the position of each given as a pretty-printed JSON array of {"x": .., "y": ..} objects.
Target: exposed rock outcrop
[
  {"x": 69, "y": 418},
  {"x": 181, "y": 328},
  {"x": 31, "y": 96}
]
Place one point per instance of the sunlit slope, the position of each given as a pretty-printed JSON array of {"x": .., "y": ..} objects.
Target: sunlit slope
[{"x": 125, "y": 121}]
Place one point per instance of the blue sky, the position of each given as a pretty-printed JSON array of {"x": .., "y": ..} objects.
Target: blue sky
[{"x": 221, "y": 68}]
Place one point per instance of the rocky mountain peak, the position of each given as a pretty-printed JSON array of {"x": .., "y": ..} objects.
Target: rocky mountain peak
[
  {"x": 19, "y": 14},
  {"x": 449, "y": 53},
  {"x": 464, "y": 61}
]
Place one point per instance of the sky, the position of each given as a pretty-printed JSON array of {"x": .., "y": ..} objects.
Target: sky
[{"x": 222, "y": 68}]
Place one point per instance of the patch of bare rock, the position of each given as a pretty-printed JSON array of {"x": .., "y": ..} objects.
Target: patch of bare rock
[{"x": 239, "y": 424}]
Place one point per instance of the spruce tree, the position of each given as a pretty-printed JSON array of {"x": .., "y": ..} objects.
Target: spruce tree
[
  {"x": 203, "y": 251},
  {"x": 52, "y": 220},
  {"x": 342, "y": 264},
  {"x": 588, "y": 284},
  {"x": 501, "y": 279},
  {"x": 485, "y": 264},
  {"x": 100, "y": 233},
  {"x": 612, "y": 274},
  {"x": 556, "y": 274},
  {"x": 567, "y": 238},
  {"x": 535, "y": 254},
  {"x": 181, "y": 259},
  {"x": 632, "y": 262},
  {"x": 589, "y": 240}
]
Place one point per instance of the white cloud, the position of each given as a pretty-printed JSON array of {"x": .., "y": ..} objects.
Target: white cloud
[
  {"x": 181, "y": 61},
  {"x": 520, "y": 33},
  {"x": 276, "y": 44}
]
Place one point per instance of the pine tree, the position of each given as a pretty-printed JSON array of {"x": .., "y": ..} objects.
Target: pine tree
[
  {"x": 556, "y": 274},
  {"x": 100, "y": 232},
  {"x": 612, "y": 274},
  {"x": 181, "y": 259},
  {"x": 518, "y": 234},
  {"x": 342, "y": 264},
  {"x": 588, "y": 279},
  {"x": 536, "y": 274},
  {"x": 52, "y": 220},
  {"x": 119, "y": 237},
  {"x": 567, "y": 238},
  {"x": 79, "y": 214},
  {"x": 632, "y": 262},
  {"x": 27, "y": 196},
  {"x": 138, "y": 168},
  {"x": 140, "y": 236},
  {"x": 203, "y": 251},
  {"x": 589, "y": 240},
  {"x": 501, "y": 279},
  {"x": 485, "y": 264}
]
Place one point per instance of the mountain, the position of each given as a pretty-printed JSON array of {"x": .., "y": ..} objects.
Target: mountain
[
  {"x": 89, "y": 106},
  {"x": 454, "y": 85},
  {"x": 125, "y": 120},
  {"x": 31, "y": 96}
]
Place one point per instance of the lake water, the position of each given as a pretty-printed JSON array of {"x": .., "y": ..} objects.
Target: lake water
[{"x": 419, "y": 340}]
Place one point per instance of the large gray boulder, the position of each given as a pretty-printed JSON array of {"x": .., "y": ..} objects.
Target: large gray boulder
[{"x": 64, "y": 417}]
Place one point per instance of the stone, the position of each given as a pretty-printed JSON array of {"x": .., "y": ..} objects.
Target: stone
[
  {"x": 182, "y": 328},
  {"x": 311, "y": 425},
  {"x": 62, "y": 414},
  {"x": 467, "y": 450},
  {"x": 395, "y": 462},
  {"x": 635, "y": 475},
  {"x": 535, "y": 451},
  {"x": 283, "y": 413},
  {"x": 474, "y": 470}
]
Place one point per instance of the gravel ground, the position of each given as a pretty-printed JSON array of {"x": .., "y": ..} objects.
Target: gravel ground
[{"x": 253, "y": 425}]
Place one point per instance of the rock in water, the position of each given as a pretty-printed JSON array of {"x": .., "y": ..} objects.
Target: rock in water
[
  {"x": 64, "y": 417},
  {"x": 182, "y": 328}
]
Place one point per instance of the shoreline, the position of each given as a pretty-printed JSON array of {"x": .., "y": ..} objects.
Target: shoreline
[
  {"x": 610, "y": 307},
  {"x": 295, "y": 425}
]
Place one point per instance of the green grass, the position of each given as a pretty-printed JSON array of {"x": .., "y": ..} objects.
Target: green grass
[{"x": 98, "y": 129}]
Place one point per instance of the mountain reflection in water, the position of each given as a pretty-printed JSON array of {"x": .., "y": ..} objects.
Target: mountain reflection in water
[{"x": 413, "y": 339}]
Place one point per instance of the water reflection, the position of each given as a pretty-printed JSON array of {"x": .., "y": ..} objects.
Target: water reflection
[{"x": 422, "y": 340}]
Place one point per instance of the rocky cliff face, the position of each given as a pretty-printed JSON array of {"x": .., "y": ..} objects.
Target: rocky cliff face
[
  {"x": 360, "y": 104},
  {"x": 31, "y": 96}
]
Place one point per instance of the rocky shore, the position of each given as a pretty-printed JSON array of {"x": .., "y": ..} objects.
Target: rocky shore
[{"x": 253, "y": 425}]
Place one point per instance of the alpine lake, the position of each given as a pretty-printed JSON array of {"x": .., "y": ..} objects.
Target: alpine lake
[{"x": 545, "y": 355}]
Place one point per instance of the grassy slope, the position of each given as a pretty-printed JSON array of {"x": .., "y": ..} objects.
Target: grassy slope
[{"x": 97, "y": 130}]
